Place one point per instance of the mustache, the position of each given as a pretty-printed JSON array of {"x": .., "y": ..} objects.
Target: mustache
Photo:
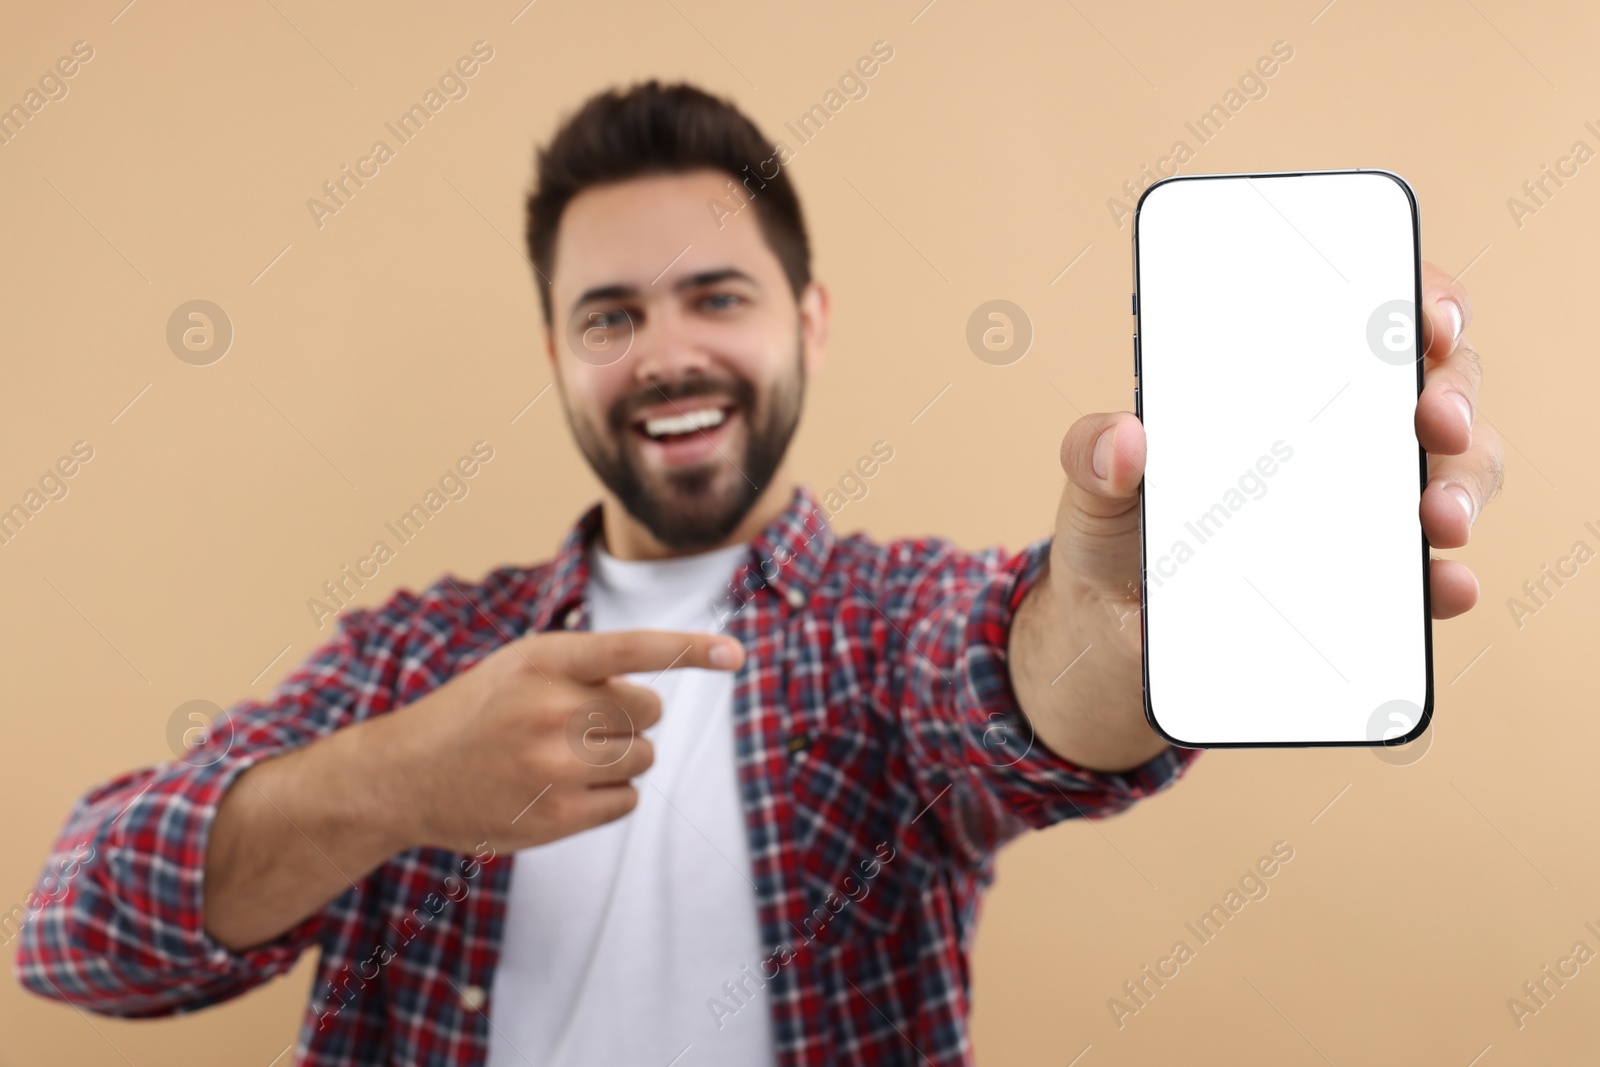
[{"x": 736, "y": 390}]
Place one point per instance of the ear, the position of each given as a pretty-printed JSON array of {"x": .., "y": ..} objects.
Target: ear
[{"x": 814, "y": 309}]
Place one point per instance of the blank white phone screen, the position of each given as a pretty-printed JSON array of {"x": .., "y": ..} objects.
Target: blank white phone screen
[{"x": 1284, "y": 585}]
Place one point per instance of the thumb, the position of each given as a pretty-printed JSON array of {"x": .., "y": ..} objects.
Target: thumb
[
  {"x": 1103, "y": 455},
  {"x": 1097, "y": 522}
]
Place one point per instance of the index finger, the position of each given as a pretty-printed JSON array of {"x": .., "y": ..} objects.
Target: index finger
[{"x": 592, "y": 657}]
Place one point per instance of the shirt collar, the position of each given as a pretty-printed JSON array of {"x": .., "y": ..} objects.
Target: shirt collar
[{"x": 789, "y": 557}]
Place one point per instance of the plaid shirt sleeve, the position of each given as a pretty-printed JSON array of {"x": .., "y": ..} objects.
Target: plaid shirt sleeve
[
  {"x": 120, "y": 930},
  {"x": 972, "y": 754}
]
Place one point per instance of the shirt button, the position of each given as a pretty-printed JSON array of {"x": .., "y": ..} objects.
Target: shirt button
[
  {"x": 473, "y": 998},
  {"x": 570, "y": 621},
  {"x": 796, "y": 598}
]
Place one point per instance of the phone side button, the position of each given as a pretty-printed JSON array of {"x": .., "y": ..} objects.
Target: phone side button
[
  {"x": 1136, "y": 355},
  {"x": 1137, "y": 410}
]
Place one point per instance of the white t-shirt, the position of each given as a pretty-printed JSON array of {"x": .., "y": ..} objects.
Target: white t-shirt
[{"x": 616, "y": 939}]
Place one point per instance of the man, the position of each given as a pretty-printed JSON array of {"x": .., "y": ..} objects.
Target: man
[{"x": 715, "y": 785}]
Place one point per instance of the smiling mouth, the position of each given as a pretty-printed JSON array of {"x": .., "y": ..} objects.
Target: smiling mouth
[
  {"x": 687, "y": 433},
  {"x": 683, "y": 421}
]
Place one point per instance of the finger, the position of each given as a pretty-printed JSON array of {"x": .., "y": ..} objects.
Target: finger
[
  {"x": 602, "y": 804},
  {"x": 590, "y": 657},
  {"x": 641, "y": 703},
  {"x": 1458, "y": 488},
  {"x": 609, "y": 706},
  {"x": 1453, "y": 586},
  {"x": 618, "y": 760},
  {"x": 1446, "y": 312},
  {"x": 1103, "y": 455},
  {"x": 572, "y": 809},
  {"x": 1445, "y": 410}
]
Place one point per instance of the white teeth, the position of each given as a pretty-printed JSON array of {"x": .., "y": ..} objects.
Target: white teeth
[{"x": 685, "y": 423}]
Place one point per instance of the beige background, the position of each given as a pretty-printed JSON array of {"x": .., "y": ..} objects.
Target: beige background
[{"x": 373, "y": 351}]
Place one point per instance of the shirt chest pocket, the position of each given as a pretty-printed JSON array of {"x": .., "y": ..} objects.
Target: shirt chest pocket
[
  {"x": 855, "y": 875},
  {"x": 858, "y": 902}
]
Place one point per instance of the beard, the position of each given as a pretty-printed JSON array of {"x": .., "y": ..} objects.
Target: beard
[{"x": 698, "y": 507}]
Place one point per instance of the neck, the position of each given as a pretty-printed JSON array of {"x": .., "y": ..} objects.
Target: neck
[{"x": 625, "y": 537}]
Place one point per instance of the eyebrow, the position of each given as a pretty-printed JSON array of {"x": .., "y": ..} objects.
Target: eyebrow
[{"x": 692, "y": 281}]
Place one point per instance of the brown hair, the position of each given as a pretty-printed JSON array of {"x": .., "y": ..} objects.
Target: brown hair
[{"x": 663, "y": 129}]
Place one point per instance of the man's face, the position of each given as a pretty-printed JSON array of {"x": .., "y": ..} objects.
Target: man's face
[{"x": 680, "y": 351}]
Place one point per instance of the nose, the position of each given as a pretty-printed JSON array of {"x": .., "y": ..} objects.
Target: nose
[{"x": 667, "y": 349}]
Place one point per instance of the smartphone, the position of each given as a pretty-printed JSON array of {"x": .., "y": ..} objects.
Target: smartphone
[{"x": 1285, "y": 595}]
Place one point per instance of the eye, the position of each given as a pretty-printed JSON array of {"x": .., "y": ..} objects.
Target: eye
[
  {"x": 607, "y": 318},
  {"x": 723, "y": 301}
]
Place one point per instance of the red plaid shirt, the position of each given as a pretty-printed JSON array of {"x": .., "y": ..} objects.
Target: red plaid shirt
[{"x": 882, "y": 757}]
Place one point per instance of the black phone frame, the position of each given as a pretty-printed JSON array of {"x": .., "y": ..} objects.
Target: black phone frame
[{"x": 1422, "y": 464}]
